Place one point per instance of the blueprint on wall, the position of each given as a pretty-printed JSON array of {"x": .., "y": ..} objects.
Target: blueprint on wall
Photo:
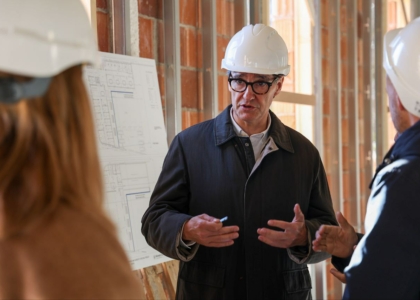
[{"x": 132, "y": 144}]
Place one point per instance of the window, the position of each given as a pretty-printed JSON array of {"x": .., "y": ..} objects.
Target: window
[{"x": 295, "y": 105}]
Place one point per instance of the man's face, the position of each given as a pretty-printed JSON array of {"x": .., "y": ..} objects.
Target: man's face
[{"x": 250, "y": 110}]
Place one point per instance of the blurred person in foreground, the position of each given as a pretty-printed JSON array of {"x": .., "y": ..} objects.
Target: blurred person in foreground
[
  {"x": 247, "y": 165},
  {"x": 385, "y": 264},
  {"x": 56, "y": 241}
]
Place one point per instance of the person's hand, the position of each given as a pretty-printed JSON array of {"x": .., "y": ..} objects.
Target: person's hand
[
  {"x": 294, "y": 234},
  {"x": 337, "y": 274},
  {"x": 209, "y": 231},
  {"x": 336, "y": 240}
]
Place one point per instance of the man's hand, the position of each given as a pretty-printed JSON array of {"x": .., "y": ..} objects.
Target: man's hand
[
  {"x": 336, "y": 240},
  {"x": 209, "y": 231},
  {"x": 294, "y": 234},
  {"x": 337, "y": 274}
]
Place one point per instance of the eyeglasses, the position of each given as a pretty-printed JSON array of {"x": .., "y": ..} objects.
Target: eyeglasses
[{"x": 259, "y": 87}]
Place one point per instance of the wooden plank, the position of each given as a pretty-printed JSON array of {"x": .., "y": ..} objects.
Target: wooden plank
[
  {"x": 140, "y": 278},
  {"x": 171, "y": 269},
  {"x": 157, "y": 287}
]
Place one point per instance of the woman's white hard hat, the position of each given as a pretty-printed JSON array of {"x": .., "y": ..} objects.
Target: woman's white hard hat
[
  {"x": 402, "y": 64},
  {"x": 257, "y": 49},
  {"x": 44, "y": 37}
]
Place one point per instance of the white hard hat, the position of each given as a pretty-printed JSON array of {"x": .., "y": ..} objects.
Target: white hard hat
[
  {"x": 402, "y": 64},
  {"x": 257, "y": 49},
  {"x": 44, "y": 37}
]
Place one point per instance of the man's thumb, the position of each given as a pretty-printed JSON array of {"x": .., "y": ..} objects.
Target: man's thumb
[
  {"x": 299, "y": 217},
  {"x": 341, "y": 220}
]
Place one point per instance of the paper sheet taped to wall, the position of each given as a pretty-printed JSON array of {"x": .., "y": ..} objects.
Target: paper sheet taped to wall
[{"x": 132, "y": 144}]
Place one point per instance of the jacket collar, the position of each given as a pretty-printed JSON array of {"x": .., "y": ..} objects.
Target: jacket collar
[
  {"x": 407, "y": 144},
  {"x": 223, "y": 130}
]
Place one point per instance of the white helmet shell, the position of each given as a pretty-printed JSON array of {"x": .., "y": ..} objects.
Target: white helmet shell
[
  {"x": 257, "y": 49},
  {"x": 43, "y": 38},
  {"x": 402, "y": 64}
]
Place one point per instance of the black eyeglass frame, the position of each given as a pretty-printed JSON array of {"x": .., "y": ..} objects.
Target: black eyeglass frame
[{"x": 252, "y": 84}]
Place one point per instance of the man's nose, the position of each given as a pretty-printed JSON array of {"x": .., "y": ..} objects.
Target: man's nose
[{"x": 249, "y": 92}]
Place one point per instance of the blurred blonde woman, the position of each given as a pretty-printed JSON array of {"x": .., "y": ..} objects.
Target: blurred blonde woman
[{"x": 55, "y": 239}]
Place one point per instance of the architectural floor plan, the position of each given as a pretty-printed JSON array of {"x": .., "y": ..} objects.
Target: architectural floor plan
[{"x": 132, "y": 143}]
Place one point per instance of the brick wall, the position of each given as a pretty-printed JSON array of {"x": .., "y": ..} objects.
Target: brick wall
[{"x": 160, "y": 281}]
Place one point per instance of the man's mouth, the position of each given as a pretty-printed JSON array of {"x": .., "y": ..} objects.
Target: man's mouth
[{"x": 247, "y": 106}]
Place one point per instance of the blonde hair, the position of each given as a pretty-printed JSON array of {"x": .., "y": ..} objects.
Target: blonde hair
[{"x": 48, "y": 155}]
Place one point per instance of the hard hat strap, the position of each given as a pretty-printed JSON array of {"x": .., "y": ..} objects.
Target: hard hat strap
[{"x": 12, "y": 91}]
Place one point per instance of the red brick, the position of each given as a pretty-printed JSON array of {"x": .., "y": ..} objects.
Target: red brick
[
  {"x": 188, "y": 12},
  {"x": 146, "y": 37},
  {"x": 102, "y": 4},
  {"x": 223, "y": 92},
  {"x": 160, "y": 10},
  {"x": 360, "y": 81},
  {"x": 191, "y": 117},
  {"x": 325, "y": 49},
  {"x": 344, "y": 48},
  {"x": 346, "y": 164},
  {"x": 326, "y": 101},
  {"x": 149, "y": 8},
  {"x": 343, "y": 19},
  {"x": 200, "y": 50},
  {"x": 325, "y": 72},
  {"x": 188, "y": 41},
  {"x": 160, "y": 69},
  {"x": 345, "y": 75},
  {"x": 230, "y": 21},
  {"x": 102, "y": 20},
  {"x": 326, "y": 130},
  {"x": 360, "y": 105},
  {"x": 344, "y": 131},
  {"x": 344, "y": 106},
  {"x": 220, "y": 17},
  {"x": 360, "y": 25},
  {"x": 200, "y": 90},
  {"x": 360, "y": 5},
  {"x": 161, "y": 43},
  {"x": 222, "y": 43},
  {"x": 199, "y": 15},
  {"x": 189, "y": 86},
  {"x": 360, "y": 52},
  {"x": 325, "y": 13}
]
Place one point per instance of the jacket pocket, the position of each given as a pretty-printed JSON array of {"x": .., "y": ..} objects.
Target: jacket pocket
[
  {"x": 297, "y": 280},
  {"x": 203, "y": 273}
]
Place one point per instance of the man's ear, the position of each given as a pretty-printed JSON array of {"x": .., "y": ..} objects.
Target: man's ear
[
  {"x": 400, "y": 105},
  {"x": 279, "y": 85}
]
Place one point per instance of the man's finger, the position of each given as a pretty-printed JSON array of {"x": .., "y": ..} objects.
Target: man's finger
[
  {"x": 299, "y": 216},
  {"x": 206, "y": 217},
  {"x": 340, "y": 276},
  {"x": 279, "y": 224}
]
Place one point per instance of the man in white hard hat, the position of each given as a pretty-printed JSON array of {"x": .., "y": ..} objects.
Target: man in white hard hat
[
  {"x": 385, "y": 263},
  {"x": 241, "y": 196}
]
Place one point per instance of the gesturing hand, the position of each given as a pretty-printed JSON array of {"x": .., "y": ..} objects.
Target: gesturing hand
[
  {"x": 294, "y": 234},
  {"x": 209, "y": 231},
  {"x": 336, "y": 240},
  {"x": 340, "y": 276}
]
